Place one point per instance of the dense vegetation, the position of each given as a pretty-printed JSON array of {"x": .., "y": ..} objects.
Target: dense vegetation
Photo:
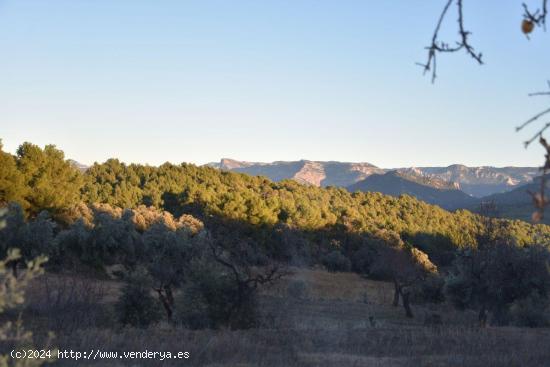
[
  {"x": 42, "y": 180},
  {"x": 215, "y": 236}
]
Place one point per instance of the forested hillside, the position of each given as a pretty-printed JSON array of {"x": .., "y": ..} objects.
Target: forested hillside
[
  {"x": 41, "y": 179},
  {"x": 198, "y": 247}
]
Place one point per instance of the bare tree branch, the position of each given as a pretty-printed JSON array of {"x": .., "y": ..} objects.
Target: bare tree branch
[
  {"x": 438, "y": 46},
  {"x": 538, "y": 17},
  {"x": 540, "y": 201}
]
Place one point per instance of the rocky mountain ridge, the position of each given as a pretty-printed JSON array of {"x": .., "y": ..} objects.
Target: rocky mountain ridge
[
  {"x": 430, "y": 190},
  {"x": 475, "y": 181}
]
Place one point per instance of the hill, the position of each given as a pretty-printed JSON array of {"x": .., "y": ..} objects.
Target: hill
[
  {"x": 430, "y": 190},
  {"x": 312, "y": 216},
  {"x": 517, "y": 203},
  {"x": 319, "y": 214}
]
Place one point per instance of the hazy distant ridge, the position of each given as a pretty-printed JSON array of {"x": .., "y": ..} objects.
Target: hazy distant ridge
[{"x": 475, "y": 181}]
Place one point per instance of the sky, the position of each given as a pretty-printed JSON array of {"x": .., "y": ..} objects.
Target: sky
[{"x": 195, "y": 81}]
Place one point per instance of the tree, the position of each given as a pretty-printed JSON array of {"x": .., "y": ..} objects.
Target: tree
[
  {"x": 242, "y": 281},
  {"x": 33, "y": 238},
  {"x": 334, "y": 261},
  {"x": 169, "y": 253},
  {"x": 12, "y": 183},
  {"x": 405, "y": 265},
  {"x": 53, "y": 183},
  {"x": 12, "y": 295},
  {"x": 496, "y": 274},
  {"x": 113, "y": 240},
  {"x": 136, "y": 306}
]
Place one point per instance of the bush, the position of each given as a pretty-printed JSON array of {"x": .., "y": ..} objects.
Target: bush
[
  {"x": 297, "y": 289},
  {"x": 212, "y": 300},
  {"x": 458, "y": 291},
  {"x": 430, "y": 290},
  {"x": 192, "y": 310},
  {"x": 530, "y": 312},
  {"x": 362, "y": 259},
  {"x": 335, "y": 261},
  {"x": 136, "y": 306}
]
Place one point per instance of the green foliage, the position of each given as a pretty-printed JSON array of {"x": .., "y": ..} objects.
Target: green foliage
[
  {"x": 138, "y": 215},
  {"x": 312, "y": 211},
  {"x": 49, "y": 182},
  {"x": 207, "y": 301},
  {"x": 430, "y": 290},
  {"x": 362, "y": 259},
  {"x": 136, "y": 306},
  {"x": 52, "y": 183},
  {"x": 169, "y": 253},
  {"x": 12, "y": 182},
  {"x": 335, "y": 261},
  {"x": 217, "y": 295},
  {"x": 12, "y": 295},
  {"x": 531, "y": 311},
  {"x": 33, "y": 238},
  {"x": 397, "y": 260},
  {"x": 498, "y": 275},
  {"x": 259, "y": 201},
  {"x": 107, "y": 235}
]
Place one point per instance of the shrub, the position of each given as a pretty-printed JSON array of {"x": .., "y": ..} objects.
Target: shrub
[
  {"x": 212, "y": 301},
  {"x": 12, "y": 296},
  {"x": 430, "y": 290},
  {"x": 335, "y": 261},
  {"x": 136, "y": 306},
  {"x": 530, "y": 312},
  {"x": 192, "y": 310},
  {"x": 361, "y": 260}
]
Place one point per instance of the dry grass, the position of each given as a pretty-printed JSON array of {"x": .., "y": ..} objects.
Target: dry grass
[
  {"x": 413, "y": 346},
  {"x": 336, "y": 286},
  {"x": 329, "y": 327}
]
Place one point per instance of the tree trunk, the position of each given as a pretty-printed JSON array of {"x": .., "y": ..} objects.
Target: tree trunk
[
  {"x": 482, "y": 316},
  {"x": 167, "y": 300},
  {"x": 169, "y": 296},
  {"x": 396, "y": 294},
  {"x": 406, "y": 304}
]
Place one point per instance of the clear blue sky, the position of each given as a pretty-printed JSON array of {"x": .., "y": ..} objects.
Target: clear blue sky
[{"x": 155, "y": 81}]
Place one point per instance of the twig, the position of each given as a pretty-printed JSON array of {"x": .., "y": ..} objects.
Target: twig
[
  {"x": 438, "y": 46},
  {"x": 538, "y": 17}
]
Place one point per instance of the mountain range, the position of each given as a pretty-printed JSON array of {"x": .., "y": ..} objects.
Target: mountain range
[
  {"x": 452, "y": 187},
  {"x": 518, "y": 203},
  {"x": 474, "y": 181},
  {"x": 308, "y": 172},
  {"x": 430, "y": 190}
]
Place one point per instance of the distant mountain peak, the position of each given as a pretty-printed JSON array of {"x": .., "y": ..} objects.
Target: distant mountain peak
[
  {"x": 428, "y": 189},
  {"x": 475, "y": 181},
  {"x": 81, "y": 167},
  {"x": 317, "y": 173}
]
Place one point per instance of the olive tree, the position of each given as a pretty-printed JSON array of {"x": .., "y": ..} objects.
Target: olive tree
[
  {"x": 169, "y": 253},
  {"x": 404, "y": 264},
  {"x": 497, "y": 274}
]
